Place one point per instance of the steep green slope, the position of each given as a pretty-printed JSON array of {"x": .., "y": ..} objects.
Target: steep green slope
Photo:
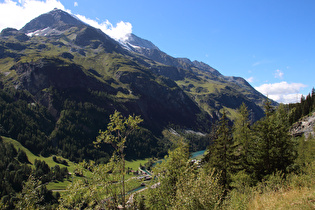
[{"x": 213, "y": 92}]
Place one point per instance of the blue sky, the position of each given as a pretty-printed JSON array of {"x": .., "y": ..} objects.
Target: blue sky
[{"x": 268, "y": 42}]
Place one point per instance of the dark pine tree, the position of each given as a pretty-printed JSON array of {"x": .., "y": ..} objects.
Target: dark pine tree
[
  {"x": 220, "y": 153},
  {"x": 274, "y": 149}
]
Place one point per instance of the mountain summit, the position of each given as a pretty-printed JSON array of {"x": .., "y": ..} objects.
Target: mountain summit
[
  {"x": 56, "y": 19},
  {"x": 135, "y": 42}
]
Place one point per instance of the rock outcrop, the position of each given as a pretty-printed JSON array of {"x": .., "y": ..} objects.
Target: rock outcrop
[{"x": 304, "y": 126}]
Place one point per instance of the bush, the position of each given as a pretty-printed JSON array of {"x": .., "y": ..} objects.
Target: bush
[
  {"x": 59, "y": 160},
  {"x": 22, "y": 157}
]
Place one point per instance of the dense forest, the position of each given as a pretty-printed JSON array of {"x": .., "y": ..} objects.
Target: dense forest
[
  {"x": 72, "y": 132},
  {"x": 244, "y": 165}
]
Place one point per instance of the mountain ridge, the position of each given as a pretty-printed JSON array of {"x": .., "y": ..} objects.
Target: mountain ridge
[
  {"x": 80, "y": 76},
  {"x": 134, "y": 44},
  {"x": 157, "y": 55}
]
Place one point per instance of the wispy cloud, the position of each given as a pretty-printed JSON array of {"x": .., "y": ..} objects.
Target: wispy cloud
[
  {"x": 258, "y": 63},
  {"x": 279, "y": 74},
  {"x": 250, "y": 79},
  {"x": 75, "y": 4},
  {"x": 282, "y": 92},
  {"x": 30, "y": 9}
]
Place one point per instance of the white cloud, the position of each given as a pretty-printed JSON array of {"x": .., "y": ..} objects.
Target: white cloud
[
  {"x": 120, "y": 32},
  {"x": 251, "y": 79},
  {"x": 16, "y": 14},
  {"x": 279, "y": 74},
  {"x": 30, "y": 9},
  {"x": 282, "y": 92},
  {"x": 76, "y": 4}
]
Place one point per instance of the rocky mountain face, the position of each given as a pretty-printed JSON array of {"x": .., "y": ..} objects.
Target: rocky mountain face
[
  {"x": 148, "y": 49},
  {"x": 226, "y": 91},
  {"x": 66, "y": 65},
  {"x": 134, "y": 42},
  {"x": 304, "y": 126}
]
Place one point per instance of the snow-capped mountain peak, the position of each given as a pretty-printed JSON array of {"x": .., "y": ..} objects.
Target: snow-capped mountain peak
[{"x": 135, "y": 42}]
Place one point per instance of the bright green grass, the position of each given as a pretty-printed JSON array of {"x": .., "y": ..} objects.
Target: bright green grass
[
  {"x": 231, "y": 113},
  {"x": 125, "y": 96},
  {"x": 209, "y": 86},
  {"x": 6, "y": 64},
  {"x": 135, "y": 164},
  {"x": 58, "y": 185}
]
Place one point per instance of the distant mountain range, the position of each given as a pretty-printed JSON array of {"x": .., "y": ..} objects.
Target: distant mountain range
[{"x": 64, "y": 64}]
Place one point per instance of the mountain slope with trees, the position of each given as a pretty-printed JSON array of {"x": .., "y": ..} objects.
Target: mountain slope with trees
[{"x": 62, "y": 78}]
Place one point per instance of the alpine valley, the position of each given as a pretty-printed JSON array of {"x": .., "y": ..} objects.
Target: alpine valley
[{"x": 60, "y": 80}]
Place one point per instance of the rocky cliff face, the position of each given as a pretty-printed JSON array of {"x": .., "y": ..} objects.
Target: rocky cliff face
[
  {"x": 45, "y": 73},
  {"x": 305, "y": 126},
  {"x": 136, "y": 42}
]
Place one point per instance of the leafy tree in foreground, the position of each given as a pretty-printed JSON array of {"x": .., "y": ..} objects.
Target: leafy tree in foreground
[
  {"x": 34, "y": 195},
  {"x": 105, "y": 189},
  {"x": 163, "y": 193},
  {"x": 118, "y": 129},
  {"x": 180, "y": 184},
  {"x": 198, "y": 189}
]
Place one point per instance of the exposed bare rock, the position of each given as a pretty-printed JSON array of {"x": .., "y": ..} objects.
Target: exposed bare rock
[
  {"x": 44, "y": 73},
  {"x": 304, "y": 126}
]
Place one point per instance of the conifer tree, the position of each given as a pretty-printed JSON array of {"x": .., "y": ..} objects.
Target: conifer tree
[
  {"x": 306, "y": 151},
  {"x": 242, "y": 136},
  {"x": 220, "y": 153},
  {"x": 274, "y": 147}
]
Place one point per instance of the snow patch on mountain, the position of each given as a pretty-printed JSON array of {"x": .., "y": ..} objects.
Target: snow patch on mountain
[
  {"x": 137, "y": 43},
  {"x": 38, "y": 32}
]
